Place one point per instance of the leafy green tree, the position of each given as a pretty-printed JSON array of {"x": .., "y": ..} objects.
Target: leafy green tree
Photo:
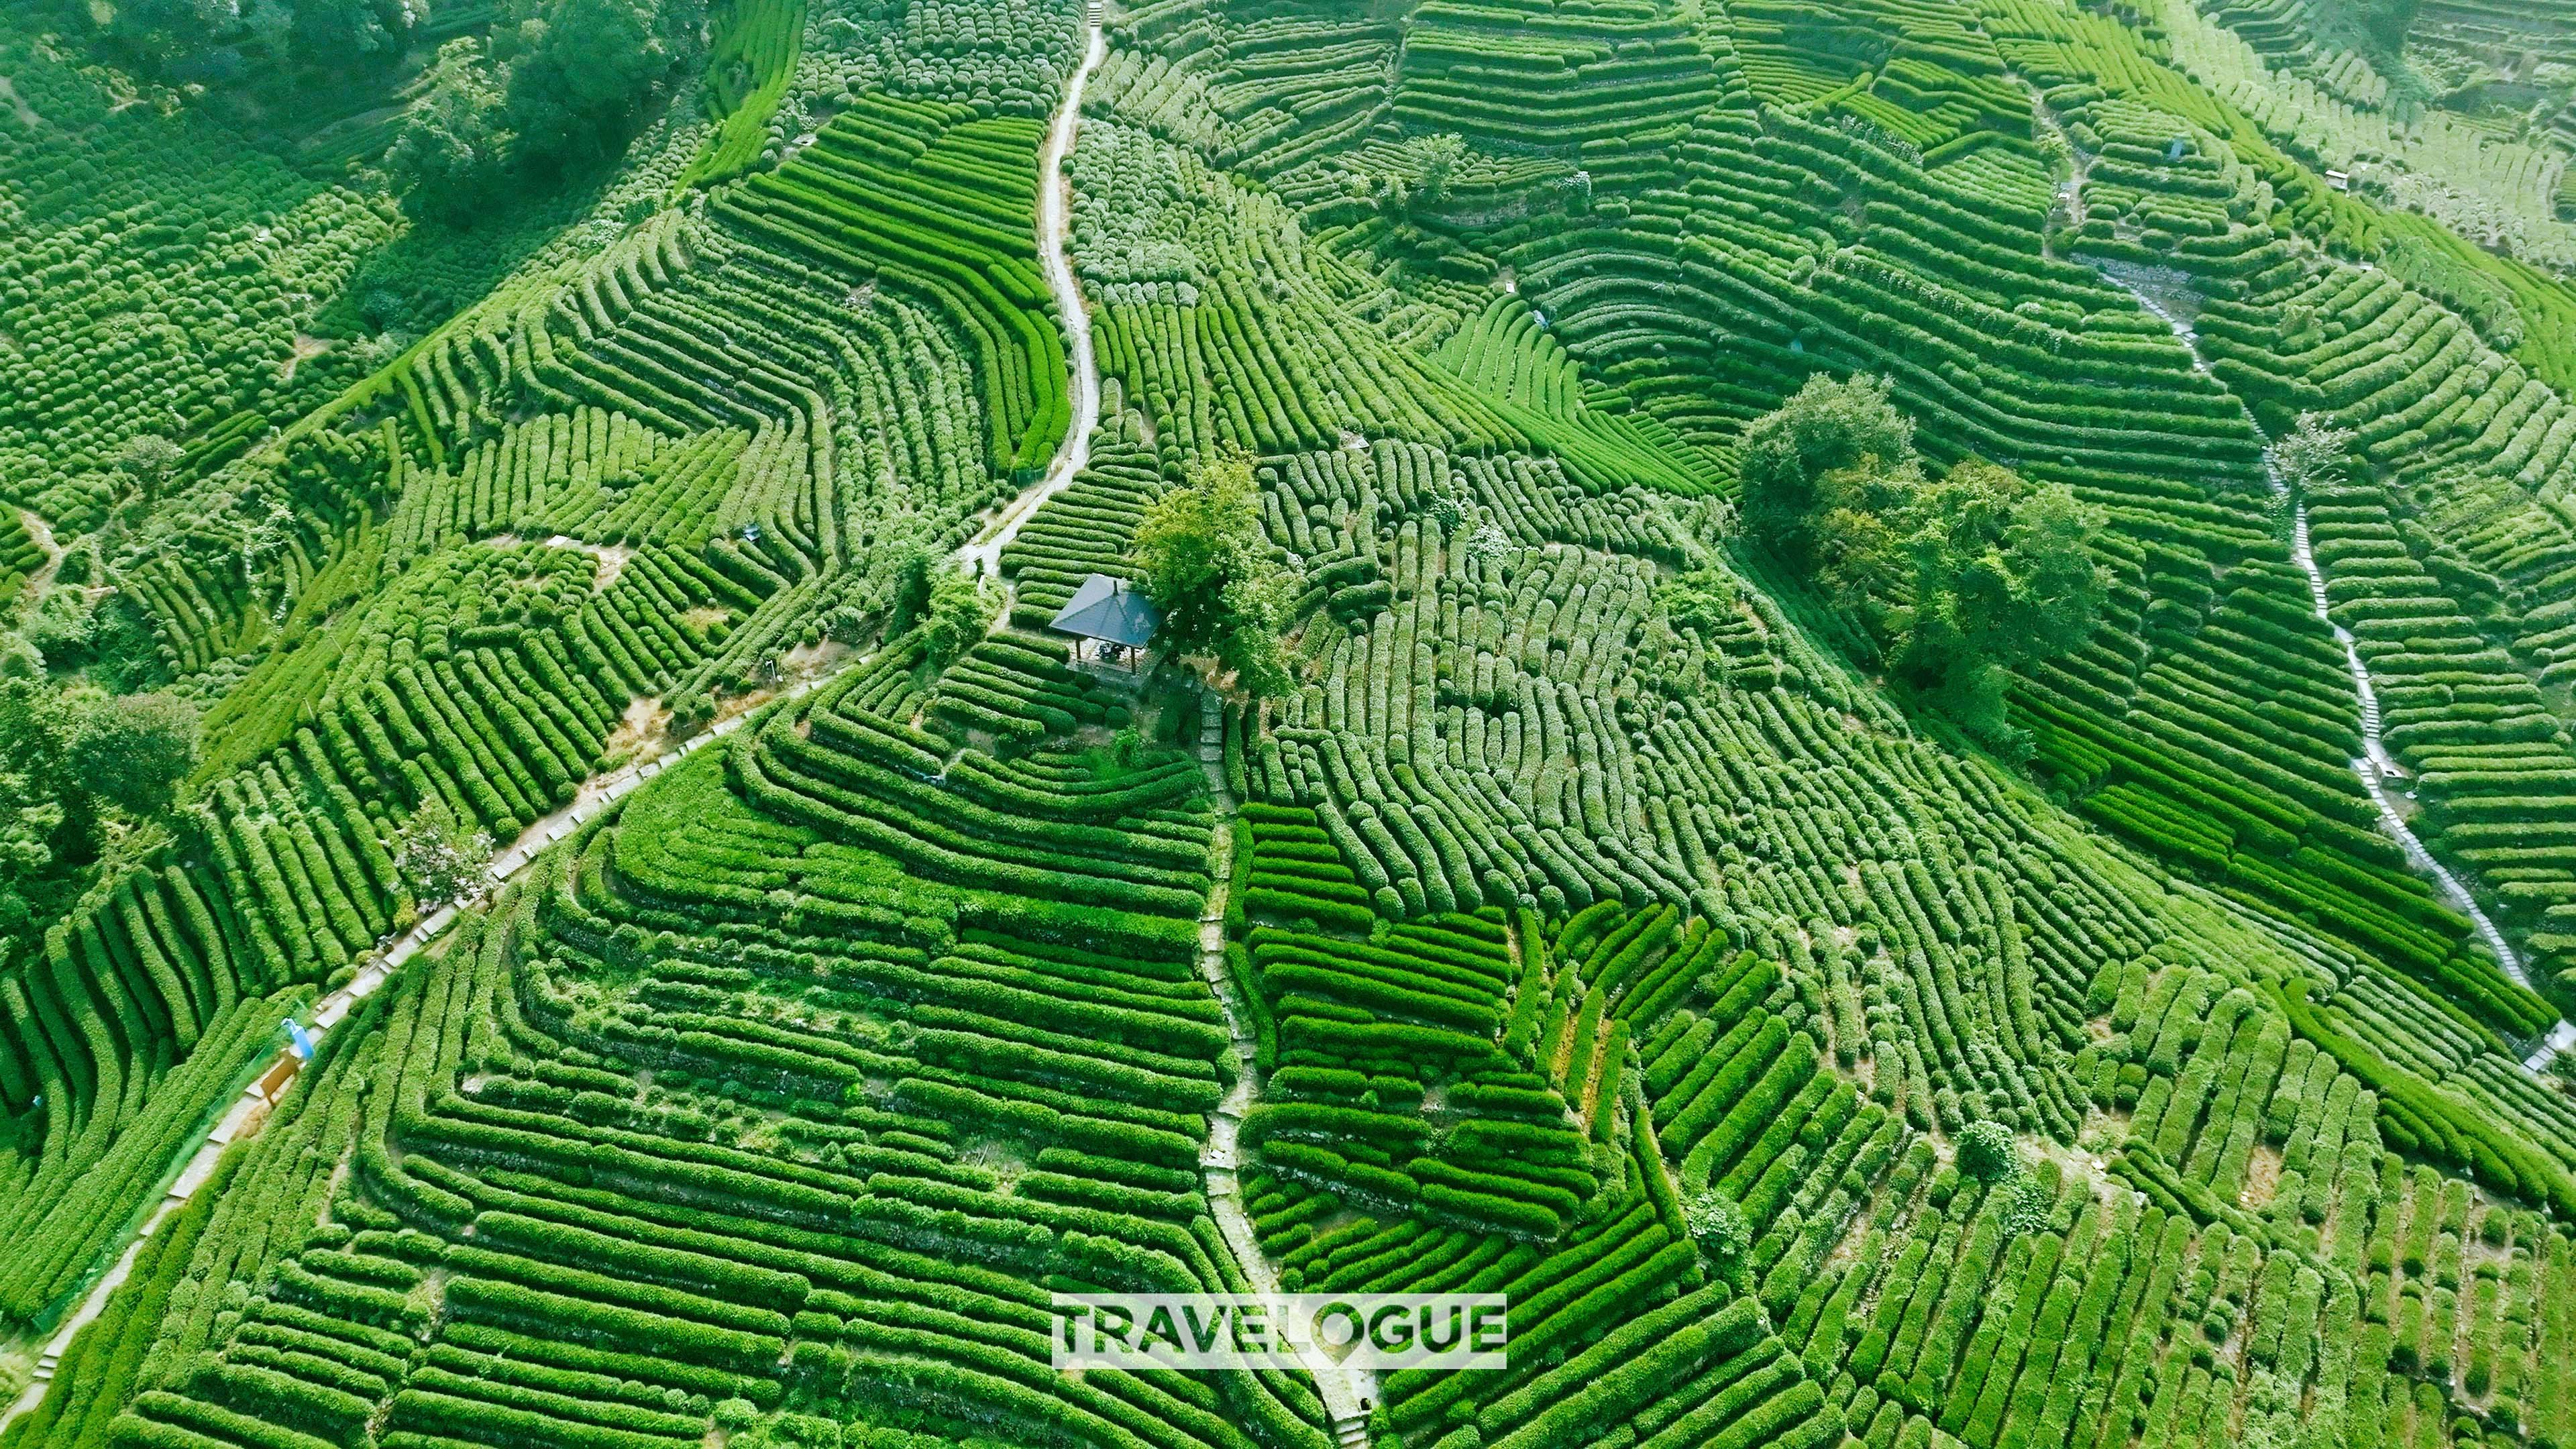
[
  {"x": 149, "y": 459},
  {"x": 76, "y": 768},
  {"x": 133, "y": 750},
  {"x": 1717, "y": 1227},
  {"x": 960, "y": 608},
  {"x": 909, "y": 585},
  {"x": 166, "y": 30},
  {"x": 1826, "y": 427},
  {"x": 1435, "y": 159},
  {"x": 451, "y": 158},
  {"x": 1987, "y": 1152},
  {"x": 439, "y": 859},
  {"x": 1202, "y": 557},
  {"x": 589, "y": 70},
  {"x": 2312, "y": 451},
  {"x": 2384, "y": 21},
  {"x": 342, "y": 32},
  {"x": 181, "y": 34},
  {"x": 1958, "y": 578},
  {"x": 1963, "y": 576},
  {"x": 1702, "y": 600},
  {"x": 37, "y": 830}
]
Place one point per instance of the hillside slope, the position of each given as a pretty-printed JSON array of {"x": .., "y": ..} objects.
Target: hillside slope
[{"x": 1541, "y": 939}]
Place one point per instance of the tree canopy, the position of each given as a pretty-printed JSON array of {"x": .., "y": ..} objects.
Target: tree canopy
[
  {"x": 1987, "y": 1153},
  {"x": 455, "y": 143},
  {"x": 564, "y": 88},
  {"x": 76, "y": 769},
  {"x": 1202, "y": 558},
  {"x": 589, "y": 69},
  {"x": 956, "y": 611},
  {"x": 1958, "y": 577},
  {"x": 1826, "y": 426}
]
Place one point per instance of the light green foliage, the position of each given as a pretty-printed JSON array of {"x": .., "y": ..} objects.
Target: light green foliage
[
  {"x": 1987, "y": 1152},
  {"x": 2028, "y": 1205},
  {"x": 2312, "y": 452},
  {"x": 959, "y": 608},
  {"x": 1199, "y": 553},
  {"x": 442, "y": 861},
  {"x": 1826, "y": 427},
  {"x": 36, "y": 736},
  {"x": 1134, "y": 205},
  {"x": 1717, "y": 1227},
  {"x": 1702, "y": 600},
  {"x": 149, "y": 459},
  {"x": 1601, "y": 923}
]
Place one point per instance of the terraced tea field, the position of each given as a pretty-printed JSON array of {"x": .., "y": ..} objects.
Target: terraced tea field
[{"x": 1872, "y": 703}]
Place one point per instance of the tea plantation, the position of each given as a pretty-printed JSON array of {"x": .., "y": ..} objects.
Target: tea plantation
[{"x": 1871, "y": 701}]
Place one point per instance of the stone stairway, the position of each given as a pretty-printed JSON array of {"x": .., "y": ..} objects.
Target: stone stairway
[{"x": 1344, "y": 1392}]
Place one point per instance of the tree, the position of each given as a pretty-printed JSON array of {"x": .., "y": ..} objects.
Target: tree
[
  {"x": 1958, "y": 578},
  {"x": 589, "y": 70},
  {"x": 441, "y": 860},
  {"x": 193, "y": 39},
  {"x": 452, "y": 155},
  {"x": 1827, "y": 426},
  {"x": 2383, "y": 21},
  {"x": 1434, "y": 159},
  {"x": 1717, "y": 1227},
  {"x": 149, "y": 459},
  {"x": 1703, "y": 600},
  {"x": 2312, "y": 451},
  {"x": 1987, "y": 1152},
  {"x": 1200, "y": 553},
  {"x": 37, "y": 829},
  {"x": 133, "y": 750},
  {"x": 339, "y": 32},
  {"x": 167, "y": 30},
  {"x": 76, "y": 767},
  {"x": 1997, "y": 571},
  {"x": 960, "y": 608},
  {"x": 910, "y": 569}
]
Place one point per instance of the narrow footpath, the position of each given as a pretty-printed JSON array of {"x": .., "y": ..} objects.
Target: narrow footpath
[
  {"x": 247, "y": 1112},
  {"x": 1220, "y": 1162},
  {"x": 2375, "y": 768},
  {"x": 1055, "y": 227}
]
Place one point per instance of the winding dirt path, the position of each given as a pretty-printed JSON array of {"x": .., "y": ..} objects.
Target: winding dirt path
[
  {"x": 1055, "y": 225},
  {"x": 41, "y": 534},
  {"x": 247, "y": 1113},
  {"x": 2374, "y": 768}
]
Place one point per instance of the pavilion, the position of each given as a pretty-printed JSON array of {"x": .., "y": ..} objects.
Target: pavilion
[{"x": 1109, "y": 620}]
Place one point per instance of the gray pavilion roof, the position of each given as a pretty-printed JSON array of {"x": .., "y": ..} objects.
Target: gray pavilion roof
[{"x": 1110, "y": 608}]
